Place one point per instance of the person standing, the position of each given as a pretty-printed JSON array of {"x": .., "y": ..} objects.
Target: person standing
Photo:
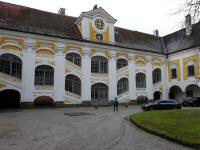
[{"x": 115, "y": 104}]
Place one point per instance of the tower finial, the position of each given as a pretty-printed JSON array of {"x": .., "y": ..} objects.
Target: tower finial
[{"x": 95, "y": 7}]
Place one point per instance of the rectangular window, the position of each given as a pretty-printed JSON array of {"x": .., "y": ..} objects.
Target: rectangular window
[
  {"x": 95, "y": 67},
  {"x": 190, "y": 71},
  {"x": 174, "y": 73}
]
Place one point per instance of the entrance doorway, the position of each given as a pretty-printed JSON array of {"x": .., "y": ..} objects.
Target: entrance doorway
[
  {"x": 99, "y": 94},
  {"x": 9, "y": 99}
]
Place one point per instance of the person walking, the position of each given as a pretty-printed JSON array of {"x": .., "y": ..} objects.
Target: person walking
[{"x": 115, "y": 104}]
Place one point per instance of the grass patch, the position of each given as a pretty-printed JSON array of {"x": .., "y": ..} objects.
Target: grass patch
[{"x": 182, "y": 126}]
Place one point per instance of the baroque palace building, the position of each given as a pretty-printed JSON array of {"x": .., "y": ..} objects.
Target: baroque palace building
[{"x": 58, "y": 59}]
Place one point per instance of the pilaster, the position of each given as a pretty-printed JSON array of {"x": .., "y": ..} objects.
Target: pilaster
[
  {"x": 149, "y": 80},
  {"x": 28, "y": 74},
  {"x": 112, "y": 77},
  {"x": 132, "y": 82},
  {"x": 59, "y": 79},
  {"x": 86, "y": 79},
  {"x": 164, "y": 76}
]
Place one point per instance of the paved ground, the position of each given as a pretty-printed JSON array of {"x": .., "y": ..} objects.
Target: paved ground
[{"x": 50, "y": 129}]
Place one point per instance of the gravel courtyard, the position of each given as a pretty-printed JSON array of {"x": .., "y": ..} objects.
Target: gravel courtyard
[{"x": 102, "y": 129}]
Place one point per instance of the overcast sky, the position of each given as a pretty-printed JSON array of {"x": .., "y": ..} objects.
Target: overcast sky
[{"x": 140, "y": 15}]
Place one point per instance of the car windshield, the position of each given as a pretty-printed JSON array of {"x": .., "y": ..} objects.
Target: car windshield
[{"x": 167, "y": 101}]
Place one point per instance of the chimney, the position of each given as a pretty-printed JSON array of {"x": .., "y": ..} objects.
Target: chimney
[
  {"x": 95, "y": 7},
  {"x": 188, "y": 24},
  {"x": 156, "y": 33},
  {"x": 61, "y": 11}
]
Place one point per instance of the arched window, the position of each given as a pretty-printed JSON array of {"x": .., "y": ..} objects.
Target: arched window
[
  {"x": 122, "y": 86},
  {"x": 156, "y": 75},
  {"x": 99, "y": 64},
  {"x": 44, "y": 75},
  {"x": 73, "y": 84},
  {"x": 11, "y": 65},
  {"x": 99, "y": 94},
  {"x": 121, "y": 63},
  {"x": 74, "y": 58},
  {"x": 140, "y": 80}
]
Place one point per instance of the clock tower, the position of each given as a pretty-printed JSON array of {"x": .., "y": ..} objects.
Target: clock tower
[{"x": 97, "y": 25}]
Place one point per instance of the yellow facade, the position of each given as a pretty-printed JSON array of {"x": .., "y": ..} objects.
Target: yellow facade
[
  {"x": 195, "y": 59},
  {"x": 106, "y": 35}
]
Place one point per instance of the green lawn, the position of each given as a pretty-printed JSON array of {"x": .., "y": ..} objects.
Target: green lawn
[{"x": 182, "y": 126}]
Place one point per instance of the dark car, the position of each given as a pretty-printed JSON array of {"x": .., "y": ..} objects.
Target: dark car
[
  {"x": 162, "y": 104},
  {"x": 191, "y": 101}
]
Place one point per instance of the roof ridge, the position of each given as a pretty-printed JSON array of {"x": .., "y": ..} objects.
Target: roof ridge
[
  {"x": 136, "y": 31},
  {"x": 18, "y": 5}
]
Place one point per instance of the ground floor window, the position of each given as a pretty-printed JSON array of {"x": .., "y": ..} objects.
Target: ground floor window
[
  {"x": 73, "y": 84},
  {"x": 122, "y": 86}
]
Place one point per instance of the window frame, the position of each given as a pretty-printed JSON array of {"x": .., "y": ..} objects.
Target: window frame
[
  {"x": 11, "y": 65},
  {"x": 157, "y": 73},
  {"x": 191, "y": 70},
  {"x": 140, "y": 80},
  {"x": 122, "y": 86},
  {"x": 99, "y": 64},
  {"x": 73, "y": 84},
  {"x": 44, "y": 76},
  {"x": 174, "y": 74},
  {"x": 121, "y": 63},
  {"x": 74, "y": 58}
]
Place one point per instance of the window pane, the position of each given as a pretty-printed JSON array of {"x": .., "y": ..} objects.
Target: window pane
[
  {"x": 11, "y": 65},
  {"x": 174, "y": 74},
  {"x": 140, "y": 80},
  {"x": 191, "y": 70},
  {"x": 44, "y": 75},
  {"x": 73, "y": 84},
  {"x": 74, "y": 58},
  {"x": 99, "y": 64}
]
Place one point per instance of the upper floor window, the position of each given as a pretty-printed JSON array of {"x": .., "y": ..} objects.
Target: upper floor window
[
  {"x": 121, "y": 63},
  {"x": 140, "y": 80},
  {"x": 174, "y": 73},
  {"x": 74, "y": 58},
  {"x": 44, "y": 75},
  {"x": 190, "y": 70},
  {"x": 156, "y": 75},
  {"x": 99, "y": 64},
  {"x": 11, "y": 65}
]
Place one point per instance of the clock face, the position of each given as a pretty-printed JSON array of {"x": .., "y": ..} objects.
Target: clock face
[
  {"x": 99, "y": 24},
  {"x": 99, "y": 37}
]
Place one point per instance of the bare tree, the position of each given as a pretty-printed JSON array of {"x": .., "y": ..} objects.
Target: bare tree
[{"x": 191, "y": 7}]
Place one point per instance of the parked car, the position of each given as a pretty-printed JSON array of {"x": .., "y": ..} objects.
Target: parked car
[
  {"x": 161, "y": 105},
  {"x": 191, "y": 101}
]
